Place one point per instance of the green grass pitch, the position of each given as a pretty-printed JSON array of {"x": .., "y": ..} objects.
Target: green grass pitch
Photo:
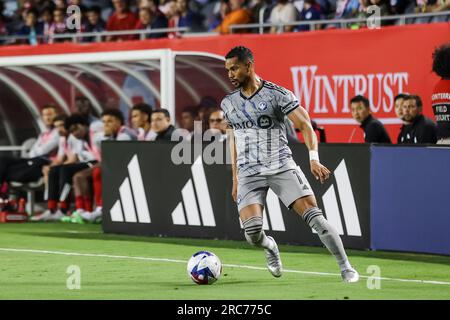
[{"x": 34, "y": 259}]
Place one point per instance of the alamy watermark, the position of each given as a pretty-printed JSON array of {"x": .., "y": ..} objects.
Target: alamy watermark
[
  {"x": 254, "y": 147},
  {"x": 73, "y": 282},
  {"x": 73, "y": 20},
  {"x": 374, "y": 21},
  {"x": 374, "y": 278}
]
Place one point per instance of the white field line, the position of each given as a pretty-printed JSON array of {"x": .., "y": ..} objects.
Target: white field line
[{"x": 97, "y": 255}]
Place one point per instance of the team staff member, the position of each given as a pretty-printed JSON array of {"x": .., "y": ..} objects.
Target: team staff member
[
  {"x": 420, "y": 129},
  {"x": 161, "y": 125},
  {"x": 374, "y": 131},
  {"x": 440, "y": 99},
  {"x": 41, "y": 154}
]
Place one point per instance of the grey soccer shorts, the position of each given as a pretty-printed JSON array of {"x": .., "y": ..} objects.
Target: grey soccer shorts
[{"x": 288, "y": 185}]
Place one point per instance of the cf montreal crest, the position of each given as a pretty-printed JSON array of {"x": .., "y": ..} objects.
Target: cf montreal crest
[
  {"x": 262, "y": 106},
  {"x": 264, "y": 122}
]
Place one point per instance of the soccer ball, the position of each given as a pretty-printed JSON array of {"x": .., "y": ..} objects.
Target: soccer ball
[{"x": 204, "y": 267}]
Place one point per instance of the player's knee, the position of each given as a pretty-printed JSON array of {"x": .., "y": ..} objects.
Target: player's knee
[
  {"x": 77, "y": 179},
  {"x": 253, "y": 230}
]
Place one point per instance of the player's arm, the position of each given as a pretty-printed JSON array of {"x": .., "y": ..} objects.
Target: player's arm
[
  {"x": 233, "y": 156},
  {"x": 299, "y": 116}
]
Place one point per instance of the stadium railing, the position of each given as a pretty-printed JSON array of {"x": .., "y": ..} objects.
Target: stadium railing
[
  {"x": 185, "y": 32},
  {"x": 342, "y": 23},
  {"x": 98, "y": 36}
]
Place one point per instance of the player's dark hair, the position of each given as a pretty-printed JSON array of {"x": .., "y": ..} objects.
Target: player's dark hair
[
  {"x": 191, "y": 110},
  {"x": 49, "y": 106},
  {"x": 74, "y": 119},
  {"x": 243, "y": 54},
  {"x": 163, "y": 111},
  {"x": 116, "y": 113},
  {"x": 360, "y": 98},
  {"x": 144, "y": 108},
  {"x": 95, "y": 9},
  {"x": 60, "y": 117},
  {"x": 441, "y": 61},
  {"x": 415, "y": 97},
  {"x": 400, "y": 96}
]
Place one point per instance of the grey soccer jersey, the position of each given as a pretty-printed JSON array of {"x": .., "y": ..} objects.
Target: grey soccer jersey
[{"x": 259, "y": 124}]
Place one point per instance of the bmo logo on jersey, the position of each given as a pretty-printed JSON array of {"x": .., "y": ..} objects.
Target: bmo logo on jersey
[
  {"x": 265, "y": 122},
  {"x": 243, "y": 125}
]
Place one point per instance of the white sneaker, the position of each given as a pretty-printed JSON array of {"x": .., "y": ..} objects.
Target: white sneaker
[
  {"x": 273, "y": 260},
  {"x": 350, "y": 275},
  {"x": 92, "y": 216},
  {"x": 48, "y": 216}
]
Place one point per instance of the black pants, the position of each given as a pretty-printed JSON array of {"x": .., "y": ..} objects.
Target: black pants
[
  {"x": 20, "y": 169},
  {"x": 60, "y": 179}
]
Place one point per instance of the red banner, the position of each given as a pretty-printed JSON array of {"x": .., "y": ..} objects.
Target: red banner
[{"x": 324, "y": 69}]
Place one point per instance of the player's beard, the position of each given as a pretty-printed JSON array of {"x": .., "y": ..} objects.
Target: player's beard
[{"x": 237, "y": 84}]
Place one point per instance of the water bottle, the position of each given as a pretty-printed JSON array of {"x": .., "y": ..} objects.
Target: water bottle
[{"x": 22, "y": 204}]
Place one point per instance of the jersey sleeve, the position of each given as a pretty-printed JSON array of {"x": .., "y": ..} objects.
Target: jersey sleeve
[{"x": 287, "y": 101}]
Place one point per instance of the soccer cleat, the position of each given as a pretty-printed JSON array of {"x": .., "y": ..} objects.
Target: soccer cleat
[
  {"x": 77, "y": 216},
  {"x": 350, "y": 275},
  {"x": 94, "y": 216},
  {"x": 273, "y": 260},
  {"x": 48, "y": 216}
]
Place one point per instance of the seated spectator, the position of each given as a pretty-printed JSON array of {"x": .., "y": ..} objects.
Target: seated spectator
[
  {"x": 48, "y": 24},
  {"x": 149, "y": 20},
  {"x": 65, "y": 146},
  {"x": 283, "y": 12},
  {"x": 188, "y": 116},
  {"x": 32, "y": 28},
  {"x": 3, "y": 22},
  {"x": 42, "y": 152},
  {"x": 113, "y": 129},
  {"x": 374, "y": 131},
  {"x": 60, "y": 176},
  {"x": 114, "y": 126},
  {"x": 186, "y": 18},
  {"x": 60, "y": 26},
  {"x": 311, "y": 11},
  {"x": 402, "y": 6},
  {"x": 122, "y": 19},
  {"x": 94, "y": 22},
  {"x": 218, "y": 125},
  {"x": 141, "y": 120},
  {"x": 161, "y": 125},
  {"x": 398, "y": 108},
  {"x": 346, "y": 9},
  {"x": 237, "y": 15},
  {"x": 215, "y": 20},
  {"x": 420, "y": 129}
]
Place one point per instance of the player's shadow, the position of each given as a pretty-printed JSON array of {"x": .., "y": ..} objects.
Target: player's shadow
[{"x": 231, "y": 244}]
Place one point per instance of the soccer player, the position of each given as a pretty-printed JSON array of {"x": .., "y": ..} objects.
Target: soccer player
[{"x": 258, "y": 111}]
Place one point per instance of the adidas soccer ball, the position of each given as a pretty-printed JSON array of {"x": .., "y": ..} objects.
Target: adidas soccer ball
[{"x": 204, "y": 267}]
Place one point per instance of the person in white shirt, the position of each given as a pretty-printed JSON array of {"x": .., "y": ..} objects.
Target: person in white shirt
[
  {"x": 60, "y": 176},
  {"x": 141, "y": 121},
  {"x": 283, "y": 12},
  {"x": 42, "y": 152}
]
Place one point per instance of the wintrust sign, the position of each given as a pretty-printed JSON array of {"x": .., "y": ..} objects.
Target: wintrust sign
[{"x": 330, "y": 94}]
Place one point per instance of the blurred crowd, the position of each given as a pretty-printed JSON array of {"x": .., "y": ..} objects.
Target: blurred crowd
[{"x": 39, "y": 21}]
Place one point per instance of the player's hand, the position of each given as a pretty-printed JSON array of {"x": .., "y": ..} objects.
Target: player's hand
[
  {"x": 319, "y": 171},
  {"x": 234, "y": 191}
]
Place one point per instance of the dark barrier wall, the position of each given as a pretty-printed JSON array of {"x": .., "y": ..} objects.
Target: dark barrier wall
[
  {"x": 146, "y": 194},
  {"x": 410, "y": 199}
]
